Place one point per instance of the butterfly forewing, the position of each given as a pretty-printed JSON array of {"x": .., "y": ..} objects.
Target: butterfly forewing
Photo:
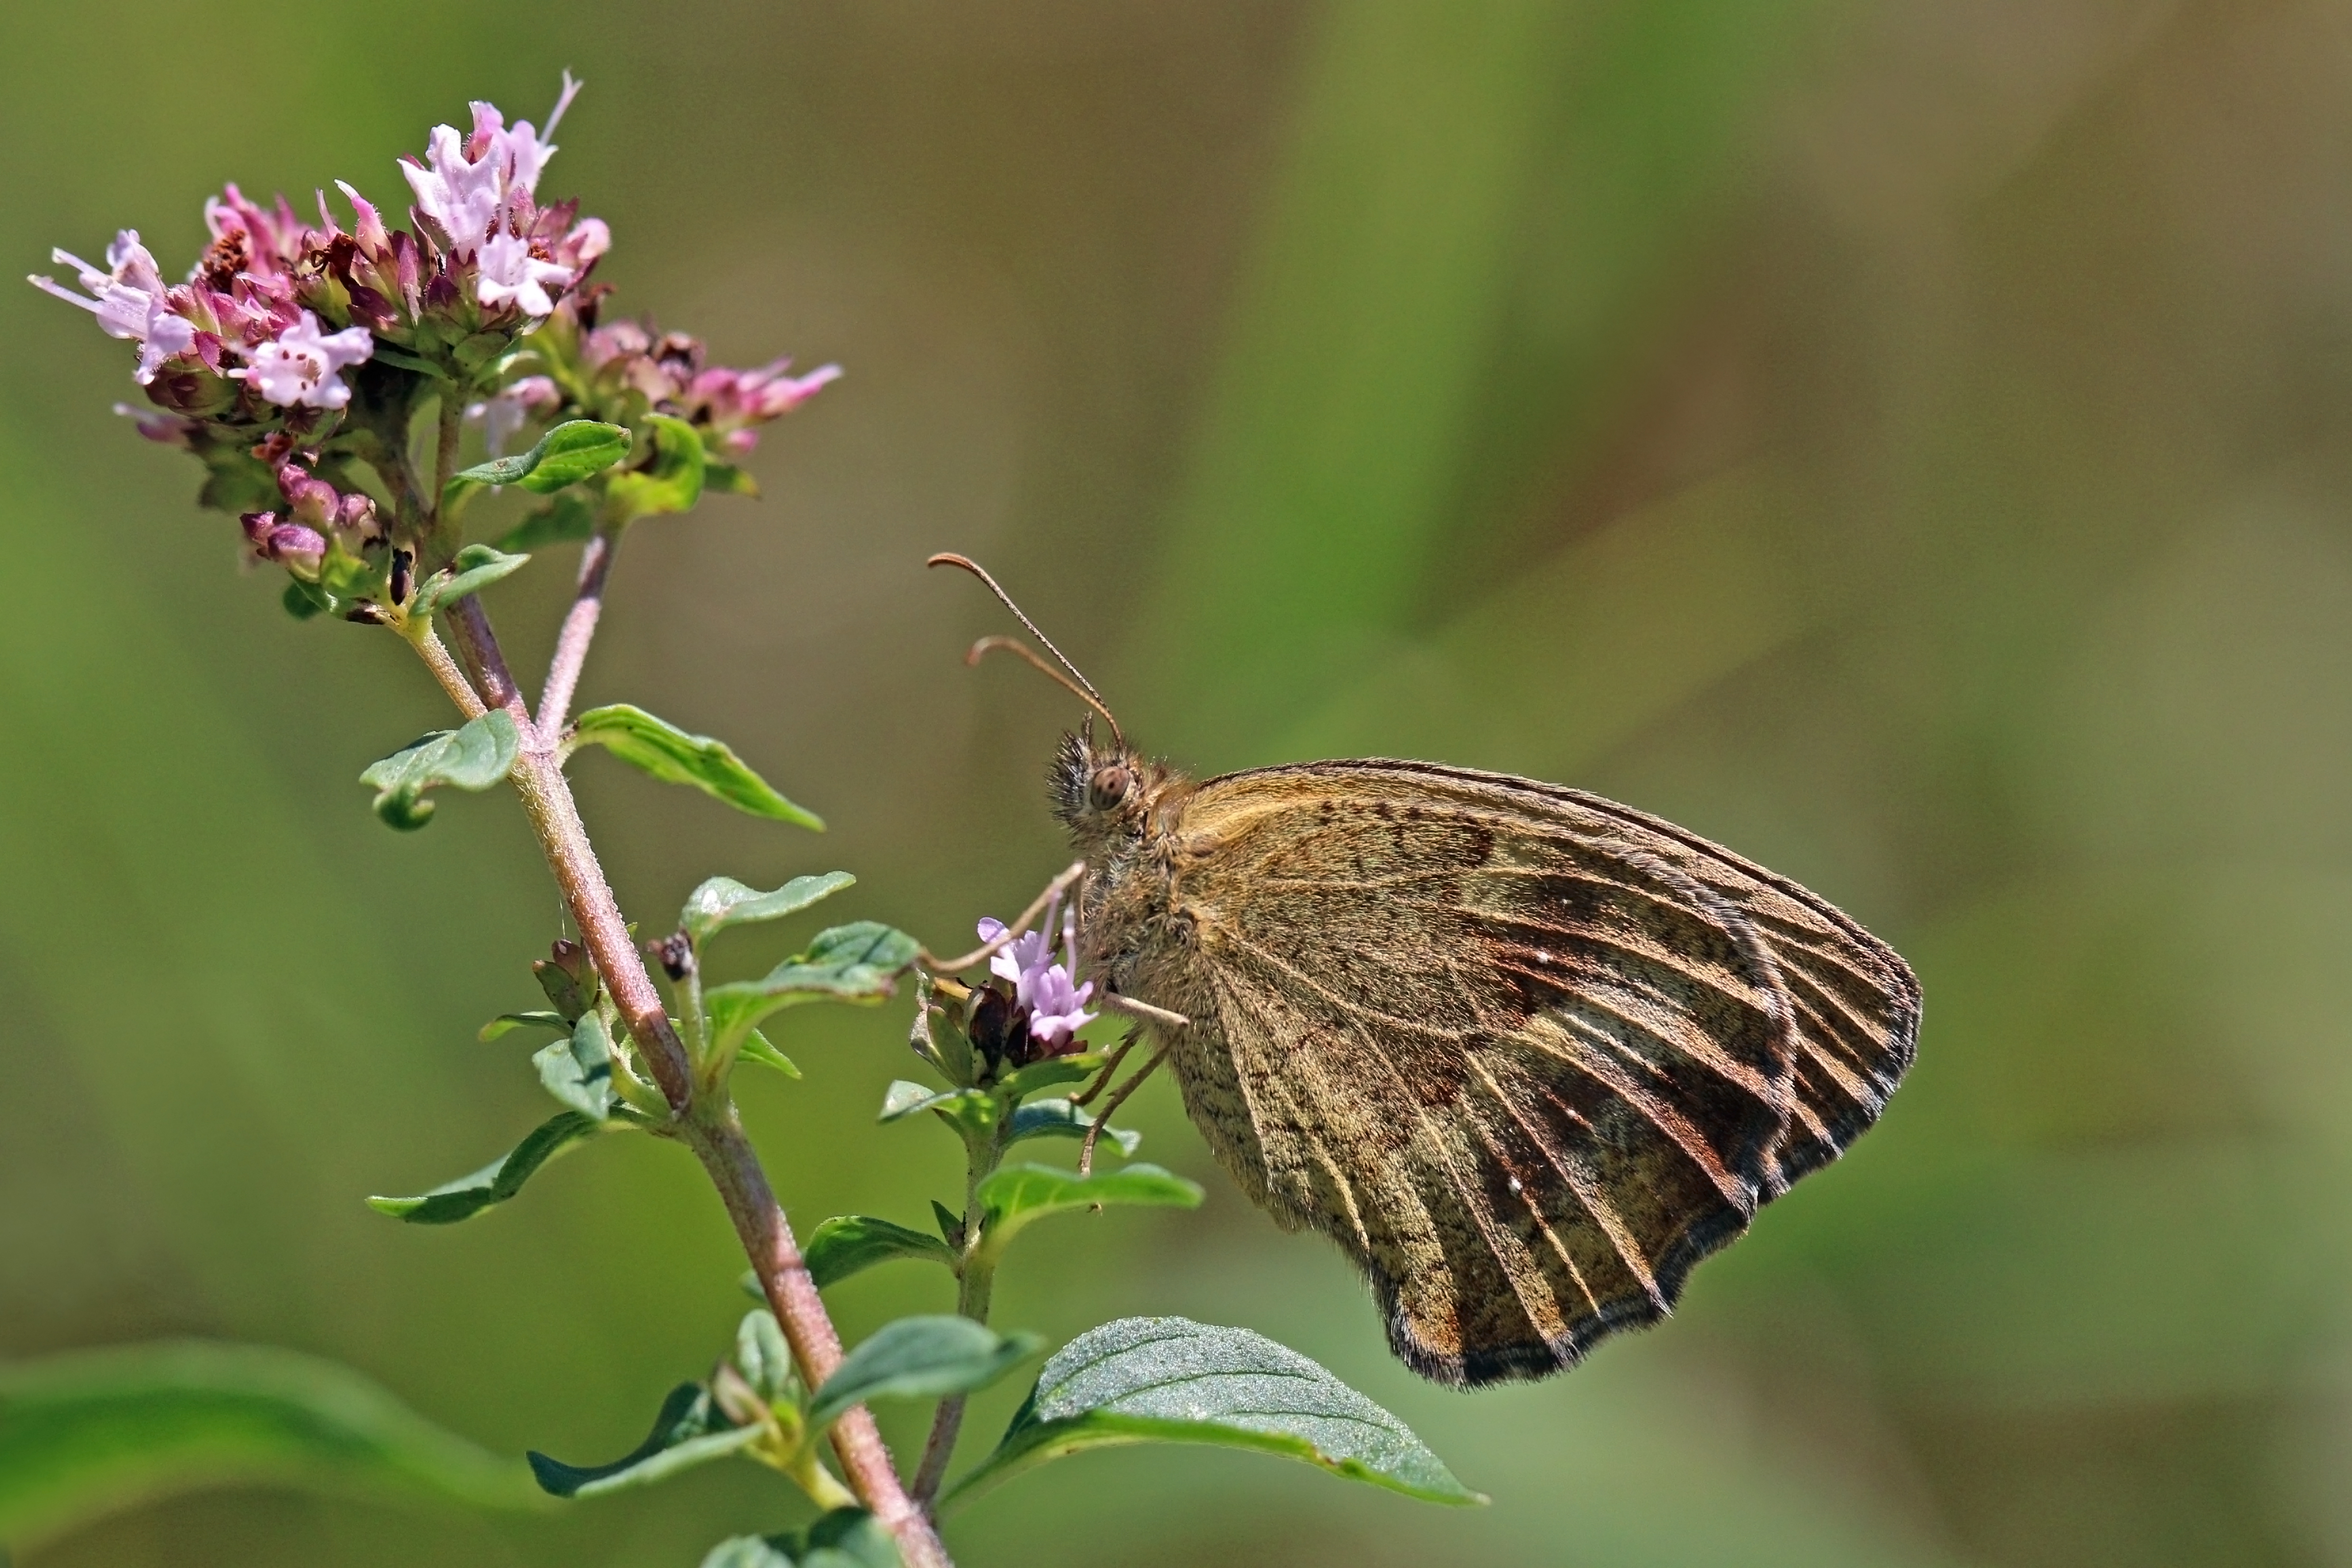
[{"x": 1525, "y": 1054}]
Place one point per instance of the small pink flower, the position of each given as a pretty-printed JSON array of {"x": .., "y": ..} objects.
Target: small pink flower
[
  {"x": 1043, "y": 988},
  {"x": 302, "y": 366},
  {"x": 510, "y": 274},
  {"x": 129, "y": 299},
  {"x": 469, "y": 186},
  {"x": 511, "y": 409}
]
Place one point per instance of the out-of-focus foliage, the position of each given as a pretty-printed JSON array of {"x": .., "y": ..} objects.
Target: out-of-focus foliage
[{"x": 1910, "y": 443}]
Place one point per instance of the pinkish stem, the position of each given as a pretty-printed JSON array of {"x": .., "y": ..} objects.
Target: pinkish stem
[
  {"x": 707, "y": 1125},
  {"x": 578, "y": 631}
]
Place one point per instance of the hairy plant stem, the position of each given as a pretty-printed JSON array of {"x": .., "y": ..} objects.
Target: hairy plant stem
[
  {"x": 975, "y": 1284},
  {"x": 578, "y": 631},
  {"x": 707, "y": 1123}
]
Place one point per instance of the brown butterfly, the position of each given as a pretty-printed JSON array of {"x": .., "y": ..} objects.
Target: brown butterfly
[{"x": 1526, "y": 1055}]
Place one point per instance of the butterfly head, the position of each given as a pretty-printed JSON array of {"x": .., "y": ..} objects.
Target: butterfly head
[{"x": 1103, "y": 793}]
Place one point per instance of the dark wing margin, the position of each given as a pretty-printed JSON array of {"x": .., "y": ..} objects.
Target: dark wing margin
[
  {"x": 1857, "y": 1002},
  {"x": 1531, "y": 1055}
]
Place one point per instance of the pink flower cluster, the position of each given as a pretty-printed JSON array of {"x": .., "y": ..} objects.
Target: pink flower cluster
[
  {"x": 667, "y": 372},
  {"x": 1042, "y": 986},
  {"x": 275, "y": 311}
]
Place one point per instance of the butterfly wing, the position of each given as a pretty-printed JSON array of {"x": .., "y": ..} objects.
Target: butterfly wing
[{"x": 1526, "y": 1055}]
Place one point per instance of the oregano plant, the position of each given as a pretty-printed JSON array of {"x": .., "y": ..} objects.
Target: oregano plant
[{"x": 333, "y": 378}]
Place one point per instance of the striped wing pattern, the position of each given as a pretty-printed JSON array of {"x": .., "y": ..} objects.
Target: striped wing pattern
[{"x": 1526, "y": 1055}]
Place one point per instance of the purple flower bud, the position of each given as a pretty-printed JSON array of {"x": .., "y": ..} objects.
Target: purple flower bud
[
  {"x": 257, "y": 526},
  {"x": 675, "y": 953},
  {"x": 313, "y": 501},
  {"x": 355, "y": 518},
  {"x": 299, "y": 550}
]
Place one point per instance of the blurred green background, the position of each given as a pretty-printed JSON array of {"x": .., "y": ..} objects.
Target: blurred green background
[{"x": 1907, "y": 442}]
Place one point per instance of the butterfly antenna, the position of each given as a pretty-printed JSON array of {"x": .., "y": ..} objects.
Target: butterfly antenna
[{"x": 1076, "y": 682}]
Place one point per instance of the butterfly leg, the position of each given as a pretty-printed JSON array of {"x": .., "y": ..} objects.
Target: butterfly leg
[
  {"x": 1087, "y": 1149},
  {"x": 1110, "y": 1068}
]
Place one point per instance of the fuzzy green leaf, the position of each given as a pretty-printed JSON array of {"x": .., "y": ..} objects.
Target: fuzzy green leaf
[
  {"x": 578, "y": 1071},
  {"x": 477, "y": 567},
  {"x": 762, "y": 1356},
  {"x": 497, "y": 1181},
  {"x": 1014, "y": 1195},
  {"x": 89, "y": 1432},
  {"x": 748, "y": 1551},
  {"x": 572, "y": 451},
  {"x": 1169, "y": 1380},
  {"x": 673, "y": 756},
  {"x": 757, "y": 1048},
  {"x": 474, "y": 756},
  {"x": 726, "y": 478},
  {"x": 852, "y": 1243},
  {"x": 1060, "y": 1118},
  {"x": 690, "y": 1430},
  {"x": 723, "y": 902},
  {"x": 848, "y": 963},
  {"x": 506, "y": 1023},
  {"x": 973, "y": 1108},
  {"x": 919, "y": 1358},
  {"x": 566, "y": 518},
  {"x": 672, "y": 482},
  {"x": 1051, "y": 1073},
  {"x": 844, "y": 1538}
]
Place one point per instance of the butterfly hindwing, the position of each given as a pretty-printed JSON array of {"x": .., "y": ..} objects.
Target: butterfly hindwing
[{"x": 1526, "y": 1055}]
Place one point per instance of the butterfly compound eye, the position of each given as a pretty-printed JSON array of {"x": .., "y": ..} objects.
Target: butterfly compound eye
[{"x": 1109, "y": 787}]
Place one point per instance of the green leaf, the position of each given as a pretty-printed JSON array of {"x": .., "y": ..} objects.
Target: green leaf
[
  {"x": 497, "y": 1181},
  {"x": 723, "y": 902},
  {"x": 477, "y": 567},
  {"x": 756, "y": 1048},
  {"x": 572, "y": 451},
  {"x": 1060, "y": 1118},
  {"x": 726, "y": 478},
  {"x": 904, "y": 1099},
  {"x": 671, "y": 483},
  {"x": 1050, "y": 1073},
  {"x": 848, "y": 963},
  {"x": 1169, "y": 1380},
  {"x": 578, "y": 1071},
  {"x": 90, "y": 1432},
  {"x": 844, "y": 1538},
  {"x": 673, "y": 756},
  {"x": 303, "y": 600},
  {"x": 506, "y": 1023},
  {"x": 762, "y": 1356},
  {"x": 919, "y": 1358},
  {"x": 566, "y": 518},
  {"x": 1014, "y": 1195},
  {"x": 848, "y": 1538},
  {"x": 690, "y": 1430},
  {"x": 387, "y": 354},
  {"x": 970, "y": 1111},
  {"x": 474, "y": 756},
  {"x": 852, "y": 1243}
]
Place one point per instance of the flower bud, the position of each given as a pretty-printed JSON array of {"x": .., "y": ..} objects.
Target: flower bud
[
  {"x": 301, "y": 551},
  {"x": 568, "y": 976},
  {"x": 675, "y": 953},
  {"x": 312, "y": 500},
  {"x": 356, "y": 523}
]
